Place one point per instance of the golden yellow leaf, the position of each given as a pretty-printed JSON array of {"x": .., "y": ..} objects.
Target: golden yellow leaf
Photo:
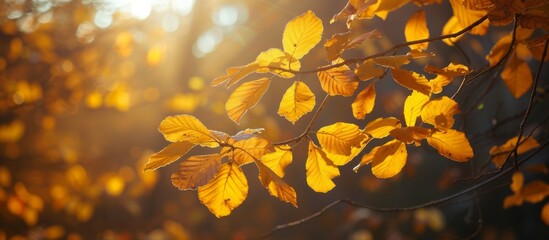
[
  {"x": 545, "y": 214},
  {"x": 275, "y": 185},
  {"x": 387, "y": 160},
  {"x": 340, "y": 160},
  {"x": 381, "y": 127},
  {"x": 410, "y": 134},
  {"x": 466, "y": 17},
  {"x": 168, "y": 155},
  {"x": 338, "y": 81},
  {"x": 339, "y": 138},
  {"x": 296, "y": 102},
  {"x": 226, "y": 191},
  {"x": 517, "y": 182},
  {"x": 186, "y": 128},
  {"x": 499, "y": 153},
  {"x": 412, "y": 107},
  {"x": 364, "y": 102},
  {"x": 363, "y": 37},
  {"x": 336, "y": 45},
  {"x": 439, "y": 82},
  {"x": 535, "y": 191},
  {"x": 235, "y": 74},
  {"x": 274, "y": 59},
  {"x": 452, "y": 26},
  {"x": 301, "y": 34},
  {"x": 245, "y": 97},
  {"x": 452, "y": 144},
  {"x": 356, "y": 9},
  {"x": 416, "y": 29},
  {"x": 452, "y": 70},
  {"x": 440, "y": 112},
  {"x": 412, "y": 81},
  {"x": 393, "y": 62},
  {"x": 196, "y": 171},
  {"x": 368, "y": 70},
  {"x": 248, "y": 150},
  {"x": 279, "y": 159},
  {"x": 499, "y": 49},
  {"x": 517, "y": 76},
  {"x": 320, "y": 170}
]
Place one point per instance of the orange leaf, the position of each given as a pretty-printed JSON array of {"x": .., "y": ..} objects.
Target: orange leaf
[
  {"x": 466, "y": 17},
  {"x": 279, "y": 159},
  {"x": 545, "y": 214},
  {"x": 393, "y": 62},
  {"x": 364, "y": 102},
  {"x": 416, "y": 29},
  {"x": 535, "y": 191},
  {"x": 187, "y": 128},
  {"x": 245, "y": 97},
  {"x": 168, "y": 155},
  {"x": 381, "y": 127},
  {"x": 339, "y": 138},
  {"x": 412, "y": 81},
  {"x": 301, "y": 34},
  {"x": 499, "y": 49},
  {"x": 452, "y": 70},
  {"x": 387, "y": 160},
  {"x": 451, "y": 144},
  {"x": 320, "y": 170},
  {"x": 336, "y": 45},
  {"x": 196, "y": 171},
  {"x": 440, "y": 112},
  {"x": 275, "y": 185},
  {"x": 410, "y": 134},
  {"x": 235, "y": 74},
  {"x": 340, "y": 160},
  {"x": 277, "y": 61},
  {"x": 412, "y": 107},
  {"x": 500, "y": 153},
  {"x": 368, "y": 70},
  {"x": 512, "y": 200},
  {"x": 517, "y": 76},
  {"x": 296, "y": 102},
  {"x": 338, "y": 81},
  {"x": 248, "y": 150},
  {"x": 518, "y": 182},
  {"x": 452, "y": 26},
  {"x": 226, "y": 191}
]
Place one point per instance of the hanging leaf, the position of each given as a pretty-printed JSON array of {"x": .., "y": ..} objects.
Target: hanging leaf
[
  {"x": 452, "y": 70},
  {"x": 338, "y": 81},
  {"x": 235, "y": 74},
  {"x": 440, "y": 112},
  {"x": 387, "y": 160},
  {"x": 452, "y": 26},
  {"x": 412, "y": 81},
  {"x": 410, "y": 134},
  {"x": 364, "y": 102},
  {"x": 517, "y": 76},
  {"x": 416, "y": 29},
  {"x": 467, "y": 17},
  {"x": 341, "y": 160},
  {"x": 296, "y": 102},
  {"x": 499, "y": 153},
  {"x": 368, "y": 70},
  {"x": 196, "y": 171},
  {"x": 381, "y": 127},
  {"x": 186, "y": 128},
  {"x": 393, "y": 62},
  {"x": 302, "y": 34},
  {"x": 336, "y": 45},
  {"x": 517, "y": 182},
  {"x": 168, "y": 155},
  {"x": 412, "y": 107},
  {"x": 245, "y": 97},
  {"x": 277, "y": 61},
  {"x": 247, "y": 150},
  {"x": 226, "y": 191},
  {"x": 275, "y": 185},
  {"x": 279, "y": 159},
  {"x": 339, "y": 138},
  {"x": 320, "y": 170},
  {"x": 451, "y": 144},
  {"x": 499, "y": 49}
]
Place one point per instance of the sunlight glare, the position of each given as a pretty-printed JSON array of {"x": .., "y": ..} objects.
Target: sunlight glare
[{"x": 182, "y": 7}]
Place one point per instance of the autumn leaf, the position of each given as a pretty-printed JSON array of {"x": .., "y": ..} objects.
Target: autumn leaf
[
  {"x": 356, "y": 9},
  {"x": 535, "y": 191},
  {"x": 364, "y": 102},
  {"x": 466, "y": 17},
  {"x": 452, "y": 70},
  {"x": 226, "y": 191},
  {"x": 339, "y": 138},
  {"x": 301, "y": 34},
  {"x": 368, "y": 70},
  {"x": 499, "y": 153},
  {"x": 279, "y": 159},
  {"x": 296, "y": 102},
  {"x": 196, "y": 171},
  {"x": 452, "y": 144},
  {"x": 410, "y": 134},
  {"x": 387, "y": 160},
  {"x": 341, "y": 160},
  {"x": 416, "y": 29},
  {"x": 452, "y": 26},
  {"x": 393, "y": 62},
  {"x": 340, "y": 42},
  {"x": 381, "y": 127},
  {"x": 275, "y": 185},
  {"x": 517, "y": 182},
  {"x": 517, "y": 76},
  {"x": 412, "y": 107},
  {"x": 440, "y": 112},
  {"x": 338, "y": 81},
  {"x": 277, "y": 61},
  {"x": 245, "y": 97},
  {"x": 412, "y": 81},
  {"x": 319, "y": 170},
  {"x": 499, "y": 49},
  {"x": 168, "y": 155},
  {"x": 235, "y": 74},
  {"x": 247, "y": 150},
  {"x": 186, "y": 128}
]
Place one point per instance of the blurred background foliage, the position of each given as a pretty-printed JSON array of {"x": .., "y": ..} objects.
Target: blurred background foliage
[{"x": 84, "y": 85}]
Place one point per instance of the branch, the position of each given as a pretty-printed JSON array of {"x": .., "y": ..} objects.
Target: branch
[{"x": 401, "y": 209}]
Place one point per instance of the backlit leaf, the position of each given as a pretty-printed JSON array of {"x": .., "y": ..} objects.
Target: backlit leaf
[
  {"x": 452, "y": 26},
  {"x": 381, "y": 127},
  {"x": 356, "y": 9},
  {"x": 499, "y": 49},
  {"x": 393, "y": 62},
  {"x": 368, "y": 70},
  {"x": 466, "y": 17},
  {"x": 235, "y": 74},
  {"x": 336, "y": 45},
  {"x": 416, "y": 29},
  {"x": 301, "y": 34},
  {"x": 279, "y": 159},
  {"x": 517, "y": 181},
  {"x": 440, "y": 112},
  {"x": 245, "y": 97},
  {"x": 412, "y": 81},
  {"x": 412, "y": 107},
  {"x": 249, "y": 150},
  {"x": 320, "y": 170},
  {"x": 168, "y": 155},
  {"x": 186, "y": 128},
  {"x": 410, "y": 134},
  {"x": 517, "y": 76},
  {"x": 226, "y": 191},
  {"x": 364, "y": 102},
  {"x": 387, "y": 160},
  {"x": 452, "y": 70},
  {"x": 296, "y": 102},
  {"x": 535, "y": 191},
  {"x": 276, "y": 61},
  {"x": 275, "y": 185},
  {"x": 499, "y": 153},
  {"x": 339, "y": 138},
  {"x": 196, "y": 171},
  {"x": 340, "y": 160},
  {"x": 451, "y": 144},
  {"x": 513, "y": 200},
  {"x": 338, "y": 81}
]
